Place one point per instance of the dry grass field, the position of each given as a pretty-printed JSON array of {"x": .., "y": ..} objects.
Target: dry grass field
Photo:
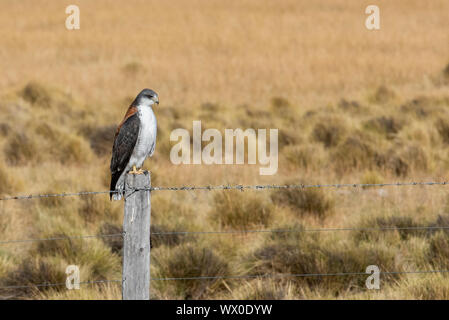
[{"x": 351, "y": 105}]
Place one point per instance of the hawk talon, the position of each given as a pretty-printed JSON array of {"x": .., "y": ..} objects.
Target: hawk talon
[{"x": 135, "y": 171}]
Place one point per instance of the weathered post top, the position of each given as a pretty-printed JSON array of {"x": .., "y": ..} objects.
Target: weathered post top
[{"x": 136, "y": 238}]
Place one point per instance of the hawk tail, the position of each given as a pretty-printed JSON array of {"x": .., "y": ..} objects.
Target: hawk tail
[{"x": 116, "y": 193}]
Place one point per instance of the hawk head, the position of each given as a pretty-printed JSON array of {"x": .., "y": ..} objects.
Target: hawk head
[{"x": 146, "y": 97}]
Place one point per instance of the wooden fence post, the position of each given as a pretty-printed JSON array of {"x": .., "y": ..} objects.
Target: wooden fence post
[{"x": 136, "y": 238}]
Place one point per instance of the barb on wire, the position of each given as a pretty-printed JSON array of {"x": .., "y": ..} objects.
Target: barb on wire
[
  {"x": 64, "y": 238},
  {"x": 297, "y": 275},
  {"x": 56, "y": 284}
]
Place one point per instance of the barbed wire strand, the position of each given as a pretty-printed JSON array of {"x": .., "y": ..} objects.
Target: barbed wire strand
[
  {"x": 295, "y": 186},
  {"x": 230, "y": 187},
  {"x": 297, "y": 275},
  {"x": 235, "y": 277},
  {"x": 233, "y": 232},
  {"x": 64, "y": 238},
  {"x": 301, "y": 230},
  {"x": 57, "y": 284}
]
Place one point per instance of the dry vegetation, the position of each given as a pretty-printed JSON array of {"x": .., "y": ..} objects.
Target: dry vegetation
[{"x": 371, "y": 107}]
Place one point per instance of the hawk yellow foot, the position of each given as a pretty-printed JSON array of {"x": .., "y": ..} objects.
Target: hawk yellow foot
[{"x": 135, "y": 171}]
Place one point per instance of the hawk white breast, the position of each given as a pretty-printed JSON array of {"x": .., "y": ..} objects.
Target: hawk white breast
[{"x": 135, "y": 140}]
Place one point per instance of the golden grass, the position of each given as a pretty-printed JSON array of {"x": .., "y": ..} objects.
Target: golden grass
[{"x": 371, "y": 107}]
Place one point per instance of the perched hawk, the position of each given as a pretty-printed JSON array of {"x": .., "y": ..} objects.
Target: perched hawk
[{"x": 135, "y": 140}]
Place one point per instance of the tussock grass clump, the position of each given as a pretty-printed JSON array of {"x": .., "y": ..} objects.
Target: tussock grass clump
[
  {"x": 288, "y": 137},
  {"x": 431, "y": 287},
  {"x": 98, "y": 260},
  {"x": 36, "y": 270},
  {"x": 329, "y": 133},
  {"x": 309, "y": 157},
  {"x": 439, "y": 250},
  {"x": 36, "y": 94},
  {"x": 350, "y": 106},
  {"x": 383, "y": 95},
  {"x": 265, "y": 289},
  {"x": 311, "y": 201},
  {"x": 192, "y": 261},
  {"x": 442, "y": 126},
  {"x": 424, "y": 106},
  {"x": 240, "y": 210},
  {"x": 114, "y": 243},
  {"x": 355, "y": 153},
  {"x": 9, "y": 183},
  {"x": 132, "y": 68},
  {"x": 371, "y": 177},
  {"x": 394, "y": 223},
  {"x": 5, "y": 128},
  {"x": 316, "y": 255},
  {"x": 100, "y": 138},
  {"x": 446, "y": 73},
  {"x": 20, "y": 150},
  {"x": 279, "y": 103},
  {"x": 393, "y": 163},
  {"x": 387, "y": 126},
  {"x": 416, "y": 157},
  {"x": 169, "y": 240},
  {"x": 94, "y": 208}
]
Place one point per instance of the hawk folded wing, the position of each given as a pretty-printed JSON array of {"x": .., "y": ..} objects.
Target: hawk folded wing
[{"x": 124, "y": 143}]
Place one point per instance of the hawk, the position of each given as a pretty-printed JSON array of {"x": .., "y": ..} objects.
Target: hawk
[{"x": 135, "y": 140}]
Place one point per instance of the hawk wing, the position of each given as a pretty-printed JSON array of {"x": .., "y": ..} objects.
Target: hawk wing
[{"x": 124, "y": 142}]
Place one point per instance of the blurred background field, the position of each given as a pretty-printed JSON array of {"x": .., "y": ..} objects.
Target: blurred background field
[{"x": 351, "y": 105}]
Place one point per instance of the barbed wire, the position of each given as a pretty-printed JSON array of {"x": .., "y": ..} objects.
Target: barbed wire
[
  {"x": 64, "y": 238},
  {"x": 231, "y": 187},
  {"x": 232, "y": 277},
  {"x": 302, "y": 230},
  {"x": 57, "y": 284},
  {"x": 51, "y": 195},
  {"x": 298, "y": 275},
  {"x": 232, "y": 232},
  {"x": 295, "y": 186}
]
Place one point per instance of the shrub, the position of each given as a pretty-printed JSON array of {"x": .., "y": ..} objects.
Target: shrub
[
  {"x": 193, "y": 261},
  {"x": 350, "y": 106},
  {"x": 36, "y": 94},
  {"x": 8, "y": 182},
  {"x": 384, "y": 125},
  {"x": 101, "y": 139},
  {"x": 394, "y": 222},
  {"x": 443, "y": 129},
  {"x": 35, "y": 270},
  {"x": 265, "y": 289},
  {"x": 20, "y": 150},
  {"x": 288, "y": 137},
  {"x": 306, "y": 156},
  {"x": 439, "y": 250},
  {"x": 330, "y": 134},
  {"x": 383, "y": 95},
  {"x": 240, "y": 210},
  {"x": 354, "y": 154},
  {"x": 312, "y": 255},
  {"x": 305, "y": 201}
]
